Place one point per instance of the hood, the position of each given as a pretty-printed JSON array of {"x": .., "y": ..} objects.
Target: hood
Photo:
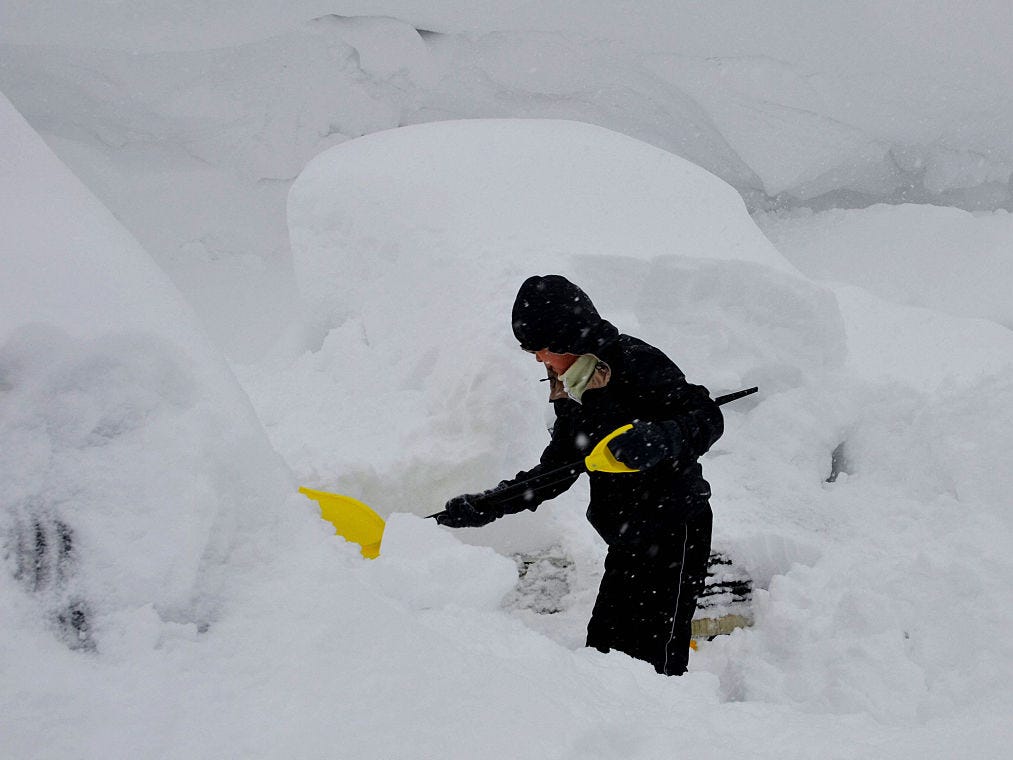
[{"x": 551, "y": 312}]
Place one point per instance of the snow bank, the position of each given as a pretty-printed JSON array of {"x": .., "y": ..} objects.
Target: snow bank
[
  {"x": 194, "y": 151},
  {"x": 922, "y": 348},
  {"x": 937, "y": 258},
  {"x": 131, "y": 457},
  {"x": 843, "y": 104}
]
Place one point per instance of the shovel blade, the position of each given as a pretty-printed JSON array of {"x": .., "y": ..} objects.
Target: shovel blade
[{"x": 352, "y": 520}]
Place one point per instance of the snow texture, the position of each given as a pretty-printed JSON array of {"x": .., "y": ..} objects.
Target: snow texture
[
  {"x": 166, "y": 593},
  {"x": 189, "y": 120}
]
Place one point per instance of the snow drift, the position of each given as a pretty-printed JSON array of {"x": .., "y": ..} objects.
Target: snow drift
[
  {"x": 130, "y": 455},
  {"x": 937, "y": 258}
]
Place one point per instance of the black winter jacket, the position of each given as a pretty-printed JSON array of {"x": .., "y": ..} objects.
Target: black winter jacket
[{"x": 640, "y": 510}]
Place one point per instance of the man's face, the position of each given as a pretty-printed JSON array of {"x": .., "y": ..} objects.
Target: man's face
[{"x": 559, "y": 363}]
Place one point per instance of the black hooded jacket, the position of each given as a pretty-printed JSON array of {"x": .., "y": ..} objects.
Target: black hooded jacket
[{"x": 645, "y": 509}]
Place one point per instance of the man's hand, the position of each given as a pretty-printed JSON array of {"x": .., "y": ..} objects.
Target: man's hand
[
  {"x": 465, "y": 511},
  {"x": 647, "y": 444}
]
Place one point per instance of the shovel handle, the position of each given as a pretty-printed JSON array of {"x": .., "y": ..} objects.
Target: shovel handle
[
  {"x": 720, "y": 400},
  {"x": 601, "y": 458}
]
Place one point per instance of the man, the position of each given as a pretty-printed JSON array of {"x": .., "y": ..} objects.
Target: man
[{"x": 657, "y": 520}]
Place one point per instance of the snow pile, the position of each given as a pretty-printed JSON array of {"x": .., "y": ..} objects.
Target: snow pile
[
  {"x": 884, "y": 589},
  {"x": 202, "y": 188},
  {"x": 428, "y": 569},
  {"x": 130, "y": 456},
  {"x": 938, "y": 258}
]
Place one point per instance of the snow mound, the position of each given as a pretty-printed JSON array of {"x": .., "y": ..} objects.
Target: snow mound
[
  {"x": 528, "y": 191},
  {"x": 937, "y": 258},
  {"x": 131, "y": 458},
  {"x": 922, "y": 348}
]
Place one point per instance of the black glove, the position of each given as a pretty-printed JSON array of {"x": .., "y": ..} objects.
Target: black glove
[
  {"x": 466, "y": 511},
  {"x": 647, "y": 444}
]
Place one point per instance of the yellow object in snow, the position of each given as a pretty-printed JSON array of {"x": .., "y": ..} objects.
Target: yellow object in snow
[
  {"x": 600, "y": 459},
  {"x": 352, "y": 520}
]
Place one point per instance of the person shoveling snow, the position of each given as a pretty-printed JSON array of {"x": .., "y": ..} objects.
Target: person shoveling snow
[{"x": 655, "y": 514}]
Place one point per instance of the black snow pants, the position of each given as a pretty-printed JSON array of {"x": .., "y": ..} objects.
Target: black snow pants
[{"x": 646, "y": 600}]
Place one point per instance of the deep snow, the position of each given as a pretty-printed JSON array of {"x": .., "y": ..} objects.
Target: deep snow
[
  {"x": 882, "y": 619},
  {"x": 121, "y": 420},
  {"x": 222, "y": 618}
]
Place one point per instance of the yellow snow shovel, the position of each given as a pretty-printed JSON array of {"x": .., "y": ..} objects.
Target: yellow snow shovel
[
  {"x": 352, "y": 519},
  {"x": 359, "y": 524}
]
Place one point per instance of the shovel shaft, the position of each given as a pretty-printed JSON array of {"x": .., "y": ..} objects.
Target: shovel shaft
[
  {"x": 542, "y": 480},
  {"x": 733, "y": 396}
]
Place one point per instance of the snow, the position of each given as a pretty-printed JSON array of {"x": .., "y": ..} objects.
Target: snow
[
  {"x": 223, "y": 618},
  {"x": 121, "y": 421},
  {"x": 910, "y": 254},
  {"x": 190, "y": 119}
]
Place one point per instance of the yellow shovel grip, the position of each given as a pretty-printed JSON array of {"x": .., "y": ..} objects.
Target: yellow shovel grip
[{"x": 601, "y": 460}]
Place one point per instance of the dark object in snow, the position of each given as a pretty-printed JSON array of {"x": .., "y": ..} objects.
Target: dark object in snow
[
  {"x": 44, "y": 559},
  {"x": 838, "y": 463},
  {"x": 42, "y": 552},
  {"x": 74, "y": 626},
  {"x": 725, "y": 603},
  {"x": 545, "y": 579},
  {"x": 721, "y": 400}
]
